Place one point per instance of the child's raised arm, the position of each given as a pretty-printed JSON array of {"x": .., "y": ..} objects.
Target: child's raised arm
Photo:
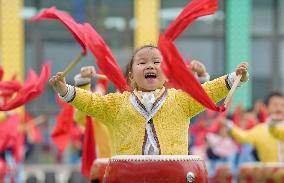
[
  {"x": 216, "y": 89},
  {"x": 103, "y": 108}
]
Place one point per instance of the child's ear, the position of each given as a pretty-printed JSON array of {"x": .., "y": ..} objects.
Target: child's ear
[
  {"x": 131, "y": 79},
  {"x": 130, "y": 75}
]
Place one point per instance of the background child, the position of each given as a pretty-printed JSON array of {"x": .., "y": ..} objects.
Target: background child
[{"x": 102, "y": 136}]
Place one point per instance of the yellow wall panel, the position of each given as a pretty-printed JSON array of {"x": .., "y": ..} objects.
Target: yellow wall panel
[
  {"x": 11, "y": 38},
  {"x": 147, "y": 20}
]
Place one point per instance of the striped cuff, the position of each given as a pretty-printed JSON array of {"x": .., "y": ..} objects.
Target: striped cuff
[
  {"x": 231, "y": 80},
  {"x": 69, "y": 96},
  {"x": 203, "y": 79}
]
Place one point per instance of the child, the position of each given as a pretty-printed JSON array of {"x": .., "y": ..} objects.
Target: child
[
  {"x": 151, "y": 120},
  {"x": 102, "y": 136},
  {"x": 276, "y": 121},
  {"x": 268, "y": 148}
]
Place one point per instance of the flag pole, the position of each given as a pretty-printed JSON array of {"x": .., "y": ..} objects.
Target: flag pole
[
  {"x": 101, "y": 76},
  {"x": 74, "y": 62}
]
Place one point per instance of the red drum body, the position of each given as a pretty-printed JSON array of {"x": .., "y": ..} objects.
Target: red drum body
[
  {"x": 156, "y": 169},
  {"x": 98, "y": 169}
]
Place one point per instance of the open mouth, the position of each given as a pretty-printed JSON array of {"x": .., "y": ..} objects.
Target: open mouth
[{"x": 150, "y": 76}]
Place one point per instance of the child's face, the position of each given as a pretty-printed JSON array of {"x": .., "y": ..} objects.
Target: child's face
[
  {"x": 146, "y": 71},
  {"x": 276, "y": 106}
]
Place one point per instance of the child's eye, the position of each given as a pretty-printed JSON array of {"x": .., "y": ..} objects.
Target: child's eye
[
  {"x": 141, "y": 63},
  {"x": 157, "y": 62}
]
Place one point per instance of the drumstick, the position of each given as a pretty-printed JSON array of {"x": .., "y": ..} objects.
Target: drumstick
[
  {"x": 100, "y": 76},
  {"x": 231, "y": 92},
  {"x": 72, "y": 65}
]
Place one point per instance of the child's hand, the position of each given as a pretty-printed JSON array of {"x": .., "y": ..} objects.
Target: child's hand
[
  {"x": 58, "y": 84},
  {"x": 243, "y": 70},
  {"x": 88, "y": 72},
  {"x": 198, "y": 67}
]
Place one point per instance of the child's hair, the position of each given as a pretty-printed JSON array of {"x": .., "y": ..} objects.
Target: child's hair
[
  {"x": 130, "y": 63},
  {"x": 271, "y": 95}
]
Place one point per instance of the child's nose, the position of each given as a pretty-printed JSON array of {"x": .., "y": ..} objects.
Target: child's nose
[{"x": 150, "y": 66}]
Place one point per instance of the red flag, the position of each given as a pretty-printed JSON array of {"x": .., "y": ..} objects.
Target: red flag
[
  {"x": 8, "y": 88},
  {"x": 191, "y": 12},
  {"x": 89, "y": 150},
  {"x": 199, "y": 130},
  {"x": 37, "y": 135},
  {"x": 32, "y": 88},
  {"x": 9, "y": 131},
  {"x": 27, "y": 117},
  {"x": 173, "y": 64},
  {"x": 4, "y": 169},
  {"x": 1, "y": 73},
  {"x": 105, "y": 59},
  {"x": 10, "y": 85},
  {"x": 33, "y": 132},
  {"x": 76, "y": 134},
  {"x": 19, "y": 148},
  {"x": 214, "y": 127},
  {"x": 103, "y": 83},
  {"x": 236, "y": 116},
  {"x": 262, "y": 113},
  {"x": 68, "y": 21},
  {"x": 63, "y": 128},
  {"x": 250, "y": 123},
  {"x": 88, "y": 37},
  {"x": 3, "y": 142},
  {"x": 210, "y": 114},
  {"x": 181, "y": 77}
]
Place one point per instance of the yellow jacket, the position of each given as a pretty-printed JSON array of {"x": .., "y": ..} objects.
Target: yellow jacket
[
  {"x": 277, "y": 131},
  {"x": 127, "y": 125},
  {"x": 102, "y": 136},
  {"x": 266, "y": 145}
]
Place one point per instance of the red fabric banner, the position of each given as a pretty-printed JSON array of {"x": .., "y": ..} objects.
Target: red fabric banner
[
  {"x": 173, "y": 64},
  {"x": 63, "y": 128},
  {"x": 181, "y": 77},
  {"x": 191, "y": 12},
  {"x": 32, "y": 88},
  {"x": 89, "y": 149},
  {"x": 75, "y": 28},
  {"x": 105, "y": 59},
  {"x": 9, "y": 131}
]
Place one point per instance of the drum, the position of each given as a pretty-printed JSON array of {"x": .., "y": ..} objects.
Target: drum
[
  {"x": 98, "y": 169},
  {"x": 223, "y": 174},
  {"x": 262, "y": 172},
  {"x": 156, "y": 169}
]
